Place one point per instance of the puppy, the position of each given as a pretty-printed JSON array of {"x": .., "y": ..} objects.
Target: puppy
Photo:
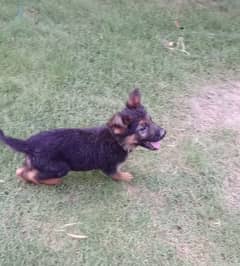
[{"x": 50, "y": 155}]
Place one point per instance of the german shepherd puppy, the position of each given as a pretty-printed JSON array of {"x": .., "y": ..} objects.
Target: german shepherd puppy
[{"x": 50, "y": 155}]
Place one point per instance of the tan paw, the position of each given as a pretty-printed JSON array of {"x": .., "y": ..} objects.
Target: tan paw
[
  {"x": 20, "y": 171},
  {"x": 123, "y": 176},
  {"x": 28, "y": 175},
  {"x": 51, "y": 181},
  {"x": 31, "y": 176}
]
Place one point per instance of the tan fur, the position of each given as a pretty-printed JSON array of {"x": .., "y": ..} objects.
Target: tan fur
[
  {"x": 51, "y": 181},
  {"x": 134, "y": 99},
  {"x": 28, "y": 175},
  {"x": 117, "y": 125},
  {"x": 130, "y": 143},
  {"x": 123, "y": 176}
]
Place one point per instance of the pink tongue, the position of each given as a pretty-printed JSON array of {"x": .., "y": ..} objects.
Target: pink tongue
[{"x": 156, "y": 145}]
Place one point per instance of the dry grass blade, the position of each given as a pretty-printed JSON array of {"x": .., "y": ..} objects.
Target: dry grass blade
[
  {"x": 68, "y": 225},
  {"x": 77, "y": 236},
  {"x": 59, "y": 230}
]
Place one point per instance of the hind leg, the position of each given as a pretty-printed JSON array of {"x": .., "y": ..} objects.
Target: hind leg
[
  {"x": 27, "y": 172},
  {"x": 51, "y": 172},
  {"x": 25, "y": 167},
  {"x": 28, "y": 175},
  {"x": 32, "y": 176},
  {"x": 51, "y": 181},
  {"x": 48, "y": 172}
]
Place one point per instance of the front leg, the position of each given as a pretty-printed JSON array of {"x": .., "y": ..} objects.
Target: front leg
[
  {"x": 116, "y": 174},
  {"x": 122, "y": 176}
]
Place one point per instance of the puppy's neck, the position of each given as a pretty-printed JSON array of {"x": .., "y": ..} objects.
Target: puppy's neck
[{"x": 127, "y": 143}]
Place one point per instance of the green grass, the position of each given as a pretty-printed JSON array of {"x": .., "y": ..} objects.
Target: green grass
[{"x": 72, "y": 64}]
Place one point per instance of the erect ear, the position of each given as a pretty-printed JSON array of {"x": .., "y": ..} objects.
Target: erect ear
[
  {"x": 134, "y": 99},
  {"x": 118, "y": 124}
]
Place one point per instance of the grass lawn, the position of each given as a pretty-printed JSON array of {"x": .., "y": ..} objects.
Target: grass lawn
[{"x": 72, "y": 64}]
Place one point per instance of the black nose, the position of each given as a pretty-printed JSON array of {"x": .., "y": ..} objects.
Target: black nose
[{"x": 163, "y": 133}]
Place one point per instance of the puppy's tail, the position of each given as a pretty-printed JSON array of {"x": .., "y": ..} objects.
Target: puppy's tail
[{"x": 16, "y": 144}]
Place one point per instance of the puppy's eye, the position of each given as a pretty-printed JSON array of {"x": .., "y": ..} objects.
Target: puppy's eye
[{"x": 142, "y": 129}]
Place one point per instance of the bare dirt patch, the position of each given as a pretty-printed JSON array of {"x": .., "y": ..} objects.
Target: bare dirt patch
[{"x": 217, "y": 106}]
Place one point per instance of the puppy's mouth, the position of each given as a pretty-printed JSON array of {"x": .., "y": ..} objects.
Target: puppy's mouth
[{"x": 153, "y": 146}]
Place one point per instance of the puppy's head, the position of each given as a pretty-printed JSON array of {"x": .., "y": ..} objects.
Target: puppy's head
[{"x": 134, "y": 127}]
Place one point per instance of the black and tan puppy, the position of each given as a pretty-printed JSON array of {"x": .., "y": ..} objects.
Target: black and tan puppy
[{"x": 50, "y": 155}]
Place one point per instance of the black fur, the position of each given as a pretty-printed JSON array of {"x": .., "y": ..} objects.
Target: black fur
[{"x": 16, "y": 144}]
